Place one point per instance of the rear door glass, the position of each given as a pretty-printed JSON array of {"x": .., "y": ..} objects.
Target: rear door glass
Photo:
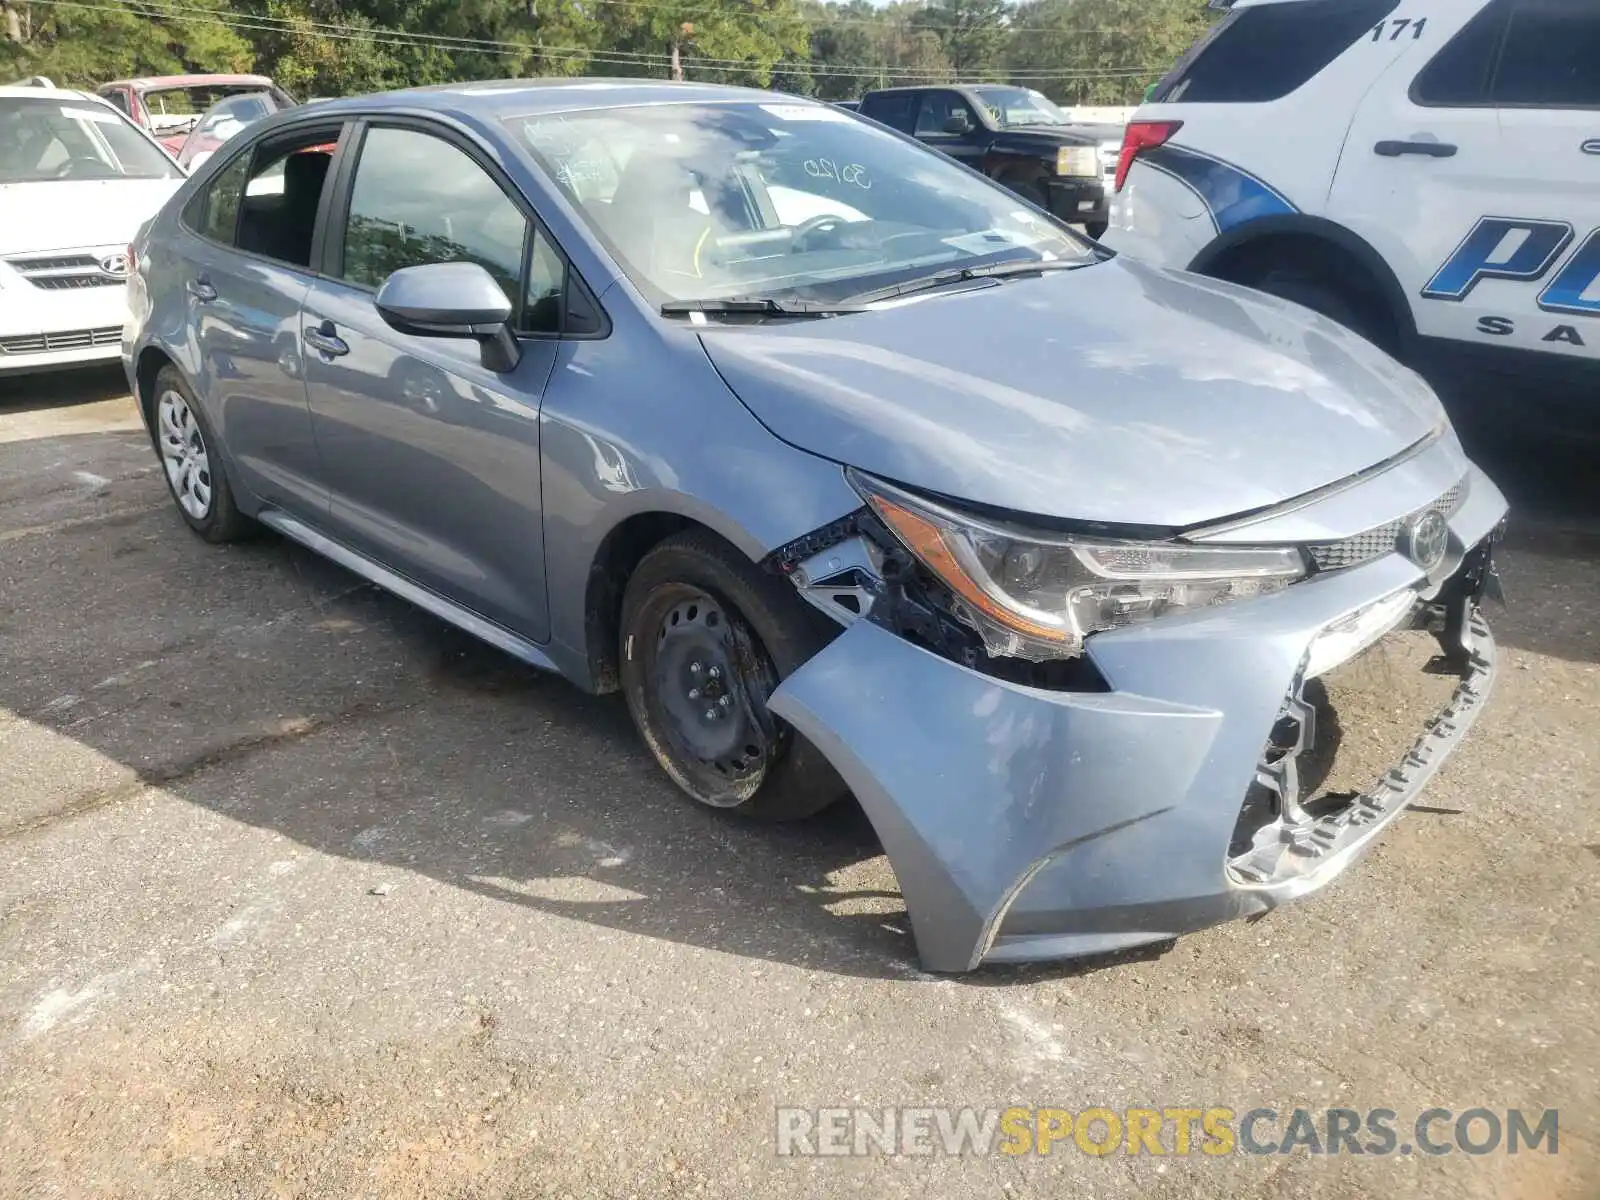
[{"x": 1263, "y": 53}]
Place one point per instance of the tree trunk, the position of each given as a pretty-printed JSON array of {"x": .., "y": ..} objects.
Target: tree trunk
[
  {"x": 677, "y": 63},
  {"x": 13, "y": 22}
]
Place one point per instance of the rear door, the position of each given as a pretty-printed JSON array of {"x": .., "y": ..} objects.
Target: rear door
[
  {"x": 1425, "y": 163},
  {"x": 897, "y": 110},
  {"x": 245, "y": 271},
  {"x": 433, "y": 459},
  {"x": 1547, "y": 93}
]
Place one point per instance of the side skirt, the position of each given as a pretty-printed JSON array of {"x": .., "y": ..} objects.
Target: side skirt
[{"x": 430, "y": 601}]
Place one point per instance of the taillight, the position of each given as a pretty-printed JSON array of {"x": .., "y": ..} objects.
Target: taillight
[{"x": 1140, "y": 136}]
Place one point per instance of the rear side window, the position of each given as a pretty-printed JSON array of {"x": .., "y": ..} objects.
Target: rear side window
[
  {"x": 1264, "y": 53},
  {"x": 1551, "y": 57},
  {"x": 1459, "y": 74},
  {"x": 895, "y": 111}
]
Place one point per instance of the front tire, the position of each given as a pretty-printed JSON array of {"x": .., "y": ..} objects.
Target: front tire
[
  {"x": 705, "y": 640},
  {"x": 191, "y": 462}
]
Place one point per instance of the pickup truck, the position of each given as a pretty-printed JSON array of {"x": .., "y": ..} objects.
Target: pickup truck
[{"x": 1014, "y": 135}]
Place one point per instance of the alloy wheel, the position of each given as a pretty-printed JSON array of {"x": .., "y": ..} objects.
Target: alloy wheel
[{"x": 183, "y": 454}]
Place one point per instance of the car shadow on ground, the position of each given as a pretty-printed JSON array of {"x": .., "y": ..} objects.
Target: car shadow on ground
[{"x": 268, "y": 686}]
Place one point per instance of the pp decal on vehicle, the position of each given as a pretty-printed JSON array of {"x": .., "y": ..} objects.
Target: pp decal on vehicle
[
  {"x": 1232, "y": 196},
  {"x": 1493, "y": 251}
]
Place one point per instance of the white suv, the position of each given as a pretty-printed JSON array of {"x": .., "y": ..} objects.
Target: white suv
[
  {"x": 77, "y": 179},
  {"x": 1426, "y": 172}
]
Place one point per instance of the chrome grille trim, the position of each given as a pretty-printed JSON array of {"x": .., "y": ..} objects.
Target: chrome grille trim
[
  {"x": 1384, "y": 539},
  {"x": 63, "y": 270},
  {"x": 66, "y": 339}
]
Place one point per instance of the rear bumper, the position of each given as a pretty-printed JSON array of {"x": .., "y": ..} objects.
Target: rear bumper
[
  {"x": 1079, "y": 200},
  {"x": 1026, "y": 824}
]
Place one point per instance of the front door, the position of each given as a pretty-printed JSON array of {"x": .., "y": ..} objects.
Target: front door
[
  {"x": 1424, "y": 164},
  {"x": 432, "y": 459},
  {"x": 946, "y": 122}
]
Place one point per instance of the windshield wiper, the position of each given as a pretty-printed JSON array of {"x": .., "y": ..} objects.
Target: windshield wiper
[
  {"x": 755, "y": 305},
  {"x": 1000, "y": 270}
]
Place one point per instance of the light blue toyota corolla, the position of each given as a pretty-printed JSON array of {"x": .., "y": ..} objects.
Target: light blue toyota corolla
[{"x": 851, "y": 470}]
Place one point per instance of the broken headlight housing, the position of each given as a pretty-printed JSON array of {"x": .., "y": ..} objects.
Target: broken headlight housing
[{"x": 1037, "y": 595}]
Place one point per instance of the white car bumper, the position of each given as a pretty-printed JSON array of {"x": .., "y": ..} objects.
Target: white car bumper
[{"x": 42, "y": 329}]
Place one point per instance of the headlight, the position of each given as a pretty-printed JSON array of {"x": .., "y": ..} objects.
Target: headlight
[
  {"x": 1077, "y": 160},
  {"x": 1037, "y": 595}
]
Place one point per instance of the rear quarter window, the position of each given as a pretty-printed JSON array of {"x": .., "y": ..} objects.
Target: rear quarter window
[
  {"x": 895, "y": 111},
  {"x": 1264, "y": 53}
]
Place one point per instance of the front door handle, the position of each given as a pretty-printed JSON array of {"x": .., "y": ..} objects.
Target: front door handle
[
  {"x": 1430, "y": 149},
  {"x": 324, "y": 339},
  {"x": 202, "y": 290},
  {"x": 1592, "y": 146}
]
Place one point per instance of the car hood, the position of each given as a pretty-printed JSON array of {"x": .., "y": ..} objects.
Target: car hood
[
  {"x": 1118, "y": 393},
  {"x": 70, "y": 214},
  {"x": 1044, "y": 136}
]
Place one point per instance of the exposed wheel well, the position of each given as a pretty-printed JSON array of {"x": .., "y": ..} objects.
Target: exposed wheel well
[
  {"x": 614, "y": 562},
  {"x": 151, "y": 361},
  {"x": 1327, "y": 263}
]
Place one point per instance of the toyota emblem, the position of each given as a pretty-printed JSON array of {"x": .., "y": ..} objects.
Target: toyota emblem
[
  {"x": 114, "y": 265},
  {"x": 1426, "y": 539}
]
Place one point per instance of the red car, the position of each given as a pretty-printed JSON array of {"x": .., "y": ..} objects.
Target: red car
[{"x": 169, "y": 106}]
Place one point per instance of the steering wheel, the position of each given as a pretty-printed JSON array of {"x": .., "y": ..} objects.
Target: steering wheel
[{"x": 812, "y": 225}]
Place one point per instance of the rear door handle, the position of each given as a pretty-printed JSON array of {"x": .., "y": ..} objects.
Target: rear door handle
[
  {"x": 324, "y": 339},
  {"x": 1430, "y": 149},
  {"x": 202, "y": 290},
  {"x": 1592, "y": 146}
]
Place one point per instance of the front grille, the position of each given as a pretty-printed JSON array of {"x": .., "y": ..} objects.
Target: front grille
[
  {"x": 67, "y": 339},
  {"x": 62, "y": 272},
  {"x": 1385, "y": 539}
]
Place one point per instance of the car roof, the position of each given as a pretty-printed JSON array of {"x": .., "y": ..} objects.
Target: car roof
[
  {"x": 518, "y": 97},
  {"x": 27, "y": 92},
  {"x": 152, "y": 83}
]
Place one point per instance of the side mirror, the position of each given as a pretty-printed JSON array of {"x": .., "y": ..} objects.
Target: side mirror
[
  {"x": 957, "y": 123},
  {"x": 452, "y": 300}
]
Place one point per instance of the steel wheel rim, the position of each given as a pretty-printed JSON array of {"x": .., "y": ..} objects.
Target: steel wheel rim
[
  {"x": 183, "y": 454},
  {"x": 713, "y": 716}
]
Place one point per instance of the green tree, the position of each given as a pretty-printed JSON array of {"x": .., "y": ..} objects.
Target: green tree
[{"x": 972, "y": 33}]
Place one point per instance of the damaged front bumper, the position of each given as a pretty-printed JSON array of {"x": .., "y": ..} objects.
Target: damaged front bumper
[{"x": 1026, "y": 823}]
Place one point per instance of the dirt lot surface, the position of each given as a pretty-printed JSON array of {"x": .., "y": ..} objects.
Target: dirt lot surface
[{"x": 304, "y": 894}]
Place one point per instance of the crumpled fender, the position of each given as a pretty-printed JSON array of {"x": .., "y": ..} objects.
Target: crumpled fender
[{"x": 974, "y": 784}]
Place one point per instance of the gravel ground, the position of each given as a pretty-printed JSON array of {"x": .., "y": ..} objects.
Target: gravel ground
[{"x": 302, "y": 893}]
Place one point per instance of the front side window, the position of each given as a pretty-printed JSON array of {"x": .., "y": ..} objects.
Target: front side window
[
  {"x": 943, "y": 113},
  {"x": 1551, "y": 57},
  {"x": 1013, "y": 106},
  {"x": 48, "y": 139},
  {"x": 1265, "y": 52},
  {"x": 417, "y": 199},
  {"x": 117, "y": 97},
  {"x": 778, "y": 200}
]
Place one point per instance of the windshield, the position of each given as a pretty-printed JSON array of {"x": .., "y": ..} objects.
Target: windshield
[
  {"x": 46, "y": 139},
  {"x": 783, "y": 200},
  {"x": 1020, "y": 106}
]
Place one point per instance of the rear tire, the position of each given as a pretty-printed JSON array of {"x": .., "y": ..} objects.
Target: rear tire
[
  {"x": 191, "y": 461},
  {"x": 705, "y": 640}
]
